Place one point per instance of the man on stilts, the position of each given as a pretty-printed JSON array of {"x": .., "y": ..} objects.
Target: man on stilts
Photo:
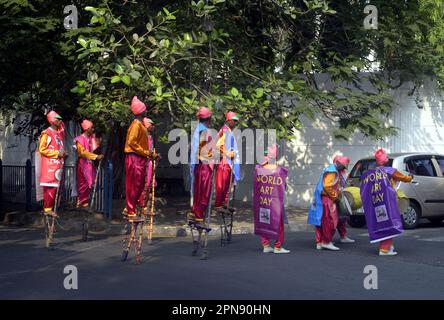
[
  {"x": 49, "y": 161},
  {"x": 229, "y": 160},
  {"x": 201, "y": 176},
  {"x": 227, "y": 174},
  {"x": 323, "y": 212},
  {"x": 86, "y": 172},
  {"x": 137, "y": 154},
  {"x": 137, "y": 159}
]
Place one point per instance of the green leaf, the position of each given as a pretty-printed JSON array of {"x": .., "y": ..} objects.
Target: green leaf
[
  {"x": 154, "y": 53},
  {"x": 149, "y": 27},
  {"x": 135, "y": 75},
  {"x": 290, "y": 85},
  {"x": 115, "y": 79},
  {"x": 259, "y": 92},
  {"x": 118, "y": 69},
  {"x": 126, "y": 80},
  {"x": 159, "y": 91},
  {"x": 82, "y": 42},
  {"x": 234, "y": 92},
  {"x": 152, "y": 40}
]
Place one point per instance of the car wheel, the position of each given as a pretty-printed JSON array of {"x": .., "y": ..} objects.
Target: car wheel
[
  {"x": 436, "y": 221},
  {"x": 356, "y": 221},
  {"x": 411, "y": 216}
]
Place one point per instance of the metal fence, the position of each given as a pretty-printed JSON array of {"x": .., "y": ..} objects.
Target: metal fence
[{"x": 18, "y": 186}]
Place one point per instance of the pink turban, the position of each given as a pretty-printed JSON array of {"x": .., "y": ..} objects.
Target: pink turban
[
  {"x": 147, "y": 122},
  {"x": 381, "y": 157},
  {"x": 137, "y": 106},
  {"x": 204, "y": 113},
  {"x": 272, "y": 153},
  {"x": 231, "y": 116},
  {"x": 52, "y": 116},
  {"x": 341, "y": 160},
  {"x": 86, "y": 124}
]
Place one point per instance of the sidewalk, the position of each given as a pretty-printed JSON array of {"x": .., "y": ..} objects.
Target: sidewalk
[{"x": 170, "y": 219}]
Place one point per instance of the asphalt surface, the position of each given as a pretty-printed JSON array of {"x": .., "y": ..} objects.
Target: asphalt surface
[{"x": 237, "y": 271}]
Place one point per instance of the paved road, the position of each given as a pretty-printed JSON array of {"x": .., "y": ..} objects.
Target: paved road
[{"x": 239, "y": 271}]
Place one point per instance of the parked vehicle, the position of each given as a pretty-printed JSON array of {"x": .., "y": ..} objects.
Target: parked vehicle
[{"x": 426, "y": 191}]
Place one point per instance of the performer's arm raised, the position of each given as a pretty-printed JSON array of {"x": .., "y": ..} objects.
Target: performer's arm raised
[{"x": 398, "y": 176}]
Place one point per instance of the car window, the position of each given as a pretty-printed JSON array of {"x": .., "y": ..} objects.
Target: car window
[
  {"x": 362, "y": 166},
  {"x": 441, "y": 164},
  {"x": 421, "y": 167}
]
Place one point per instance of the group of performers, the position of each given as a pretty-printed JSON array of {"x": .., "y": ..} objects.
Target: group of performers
[{"x": 377, "y": 191}]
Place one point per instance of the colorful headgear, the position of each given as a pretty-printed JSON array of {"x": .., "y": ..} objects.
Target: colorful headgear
[
  {"x": 271, "y": 153},
  {"x": 341, "y": 160},
  {"x": 147, "y": 122},
  {"x": 137, "y": 106},
  {"x": 204, "y": 113},
  {"x": 381, "y": 157},
  {"x": 52, "y": 116},
  {"x": 231, "y": 116},
  {"x": 86, "y": 124}
]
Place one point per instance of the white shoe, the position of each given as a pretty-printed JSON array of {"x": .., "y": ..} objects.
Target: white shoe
[
  {"x": 390, "y": 253},
  {"x": 329, "y": 246},
  {"x": 268, "y": 249},
  {"x": 281, "y": 250},
  {"x": 346, "y": 240},
  {"x": 318, "y": 246}
]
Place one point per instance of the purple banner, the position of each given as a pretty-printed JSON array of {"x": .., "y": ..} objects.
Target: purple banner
[
  {"x": 268, "y": 201},
  {"x": 380, "y": 204}
]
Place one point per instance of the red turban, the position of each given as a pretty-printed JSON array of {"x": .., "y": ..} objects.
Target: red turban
[
  {"x": 137, "y": 106},
  {"x": 86, "y": 124},
  {"x": 381, "y": 157},
  {"x": 52, "y": 117},
  {"x": 204, "y": 113},
  {"x": 231, "y": 116}
]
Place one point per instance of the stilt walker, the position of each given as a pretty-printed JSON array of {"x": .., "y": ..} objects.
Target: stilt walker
[
  {"x": 86, "y": 172},
  {"x": 137, "y": 156},
  {"x": 201, "y": 176},
  {"x": 227, "y": 169},
  {"x": 49, "y": 161}
]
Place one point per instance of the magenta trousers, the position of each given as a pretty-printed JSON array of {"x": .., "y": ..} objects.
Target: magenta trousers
[{"x": 135, "y": 171}]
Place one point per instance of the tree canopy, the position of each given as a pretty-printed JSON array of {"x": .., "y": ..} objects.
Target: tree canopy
[{"x": 259, "y": 57}]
